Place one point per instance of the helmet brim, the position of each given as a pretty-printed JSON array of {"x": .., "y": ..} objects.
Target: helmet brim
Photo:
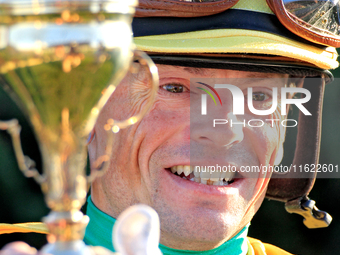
[{"x": 239, "y": 41}]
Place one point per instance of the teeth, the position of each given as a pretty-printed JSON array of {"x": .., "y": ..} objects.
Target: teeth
[
  {"x": 215, "y": 175},
  {"x": 204, "y": 180},
  {"x": 216, "y": 183},
  {"x": 186, "y": 170},
  {"x": 180, "y": 169},
  {"x": 224, "y": 175},
  {"x": 204, "y": 176},
  {"x": 196, "y": 173},
  {"x": 174, "y": 169}
]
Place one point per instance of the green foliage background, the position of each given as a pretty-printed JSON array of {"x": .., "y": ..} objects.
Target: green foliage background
[{"x": 21, "y": 199}]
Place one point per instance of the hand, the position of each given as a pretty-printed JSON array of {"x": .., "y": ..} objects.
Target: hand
[{"x": 18, "y": 248}]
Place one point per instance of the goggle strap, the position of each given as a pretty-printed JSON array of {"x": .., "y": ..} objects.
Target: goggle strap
[
  {"x": 285, "y": 188},
  {"x": 151, "y": 8}
]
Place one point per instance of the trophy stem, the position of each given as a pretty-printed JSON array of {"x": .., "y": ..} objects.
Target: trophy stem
[{"x": 67, "y": 229}]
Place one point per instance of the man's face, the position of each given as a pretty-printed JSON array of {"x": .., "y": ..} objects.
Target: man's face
[{"x": 193, "y": 215}]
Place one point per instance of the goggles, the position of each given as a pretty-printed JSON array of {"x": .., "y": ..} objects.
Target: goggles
[{"x": 317, "y": 21}]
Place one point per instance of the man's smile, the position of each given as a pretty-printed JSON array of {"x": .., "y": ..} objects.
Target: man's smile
[{"x": 204, "y": 176}]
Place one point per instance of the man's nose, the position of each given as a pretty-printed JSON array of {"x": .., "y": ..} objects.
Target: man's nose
[{"x": 219, "y": 127}]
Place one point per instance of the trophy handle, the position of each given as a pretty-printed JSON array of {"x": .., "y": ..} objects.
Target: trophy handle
[
  {"x": 100, "y": 166},
  {"x": 26, "y": 165}
]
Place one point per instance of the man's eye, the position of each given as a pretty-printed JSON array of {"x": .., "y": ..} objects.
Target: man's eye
[
  {"x": 174, "y": 88},
  {"x": 260, "y": 96}
]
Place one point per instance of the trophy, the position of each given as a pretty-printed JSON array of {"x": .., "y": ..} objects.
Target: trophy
[{"x": 61, "y": 60}]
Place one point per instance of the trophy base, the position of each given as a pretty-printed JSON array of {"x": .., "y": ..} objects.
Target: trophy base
[
  {"x": 67, "y": 229},
  {"x": 67, "y": 248}
]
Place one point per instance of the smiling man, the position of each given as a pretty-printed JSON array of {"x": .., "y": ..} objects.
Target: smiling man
[
  {"x": 160, "y": 161},
  {"x": 153, "y": 162},
  {"x": 197, "y": 46}
]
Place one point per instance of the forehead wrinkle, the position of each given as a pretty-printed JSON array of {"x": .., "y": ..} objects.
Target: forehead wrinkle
[{"x": 199, "y": 71}]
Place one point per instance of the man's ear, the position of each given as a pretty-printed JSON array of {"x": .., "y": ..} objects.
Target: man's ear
[
  {"x": 91, "y": 148},
  {"x": 279, "y": 155}
]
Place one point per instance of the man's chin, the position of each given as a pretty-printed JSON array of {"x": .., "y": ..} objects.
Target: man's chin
[
  {"x": 195, "y": 212},
  {"x": 198, "y": 229}
]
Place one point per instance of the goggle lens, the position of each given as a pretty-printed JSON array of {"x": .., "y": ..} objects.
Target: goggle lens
[{"x": 319, "y": 16}]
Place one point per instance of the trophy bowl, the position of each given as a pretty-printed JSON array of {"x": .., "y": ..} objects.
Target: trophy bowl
[{"x": 61, "y": 60}]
